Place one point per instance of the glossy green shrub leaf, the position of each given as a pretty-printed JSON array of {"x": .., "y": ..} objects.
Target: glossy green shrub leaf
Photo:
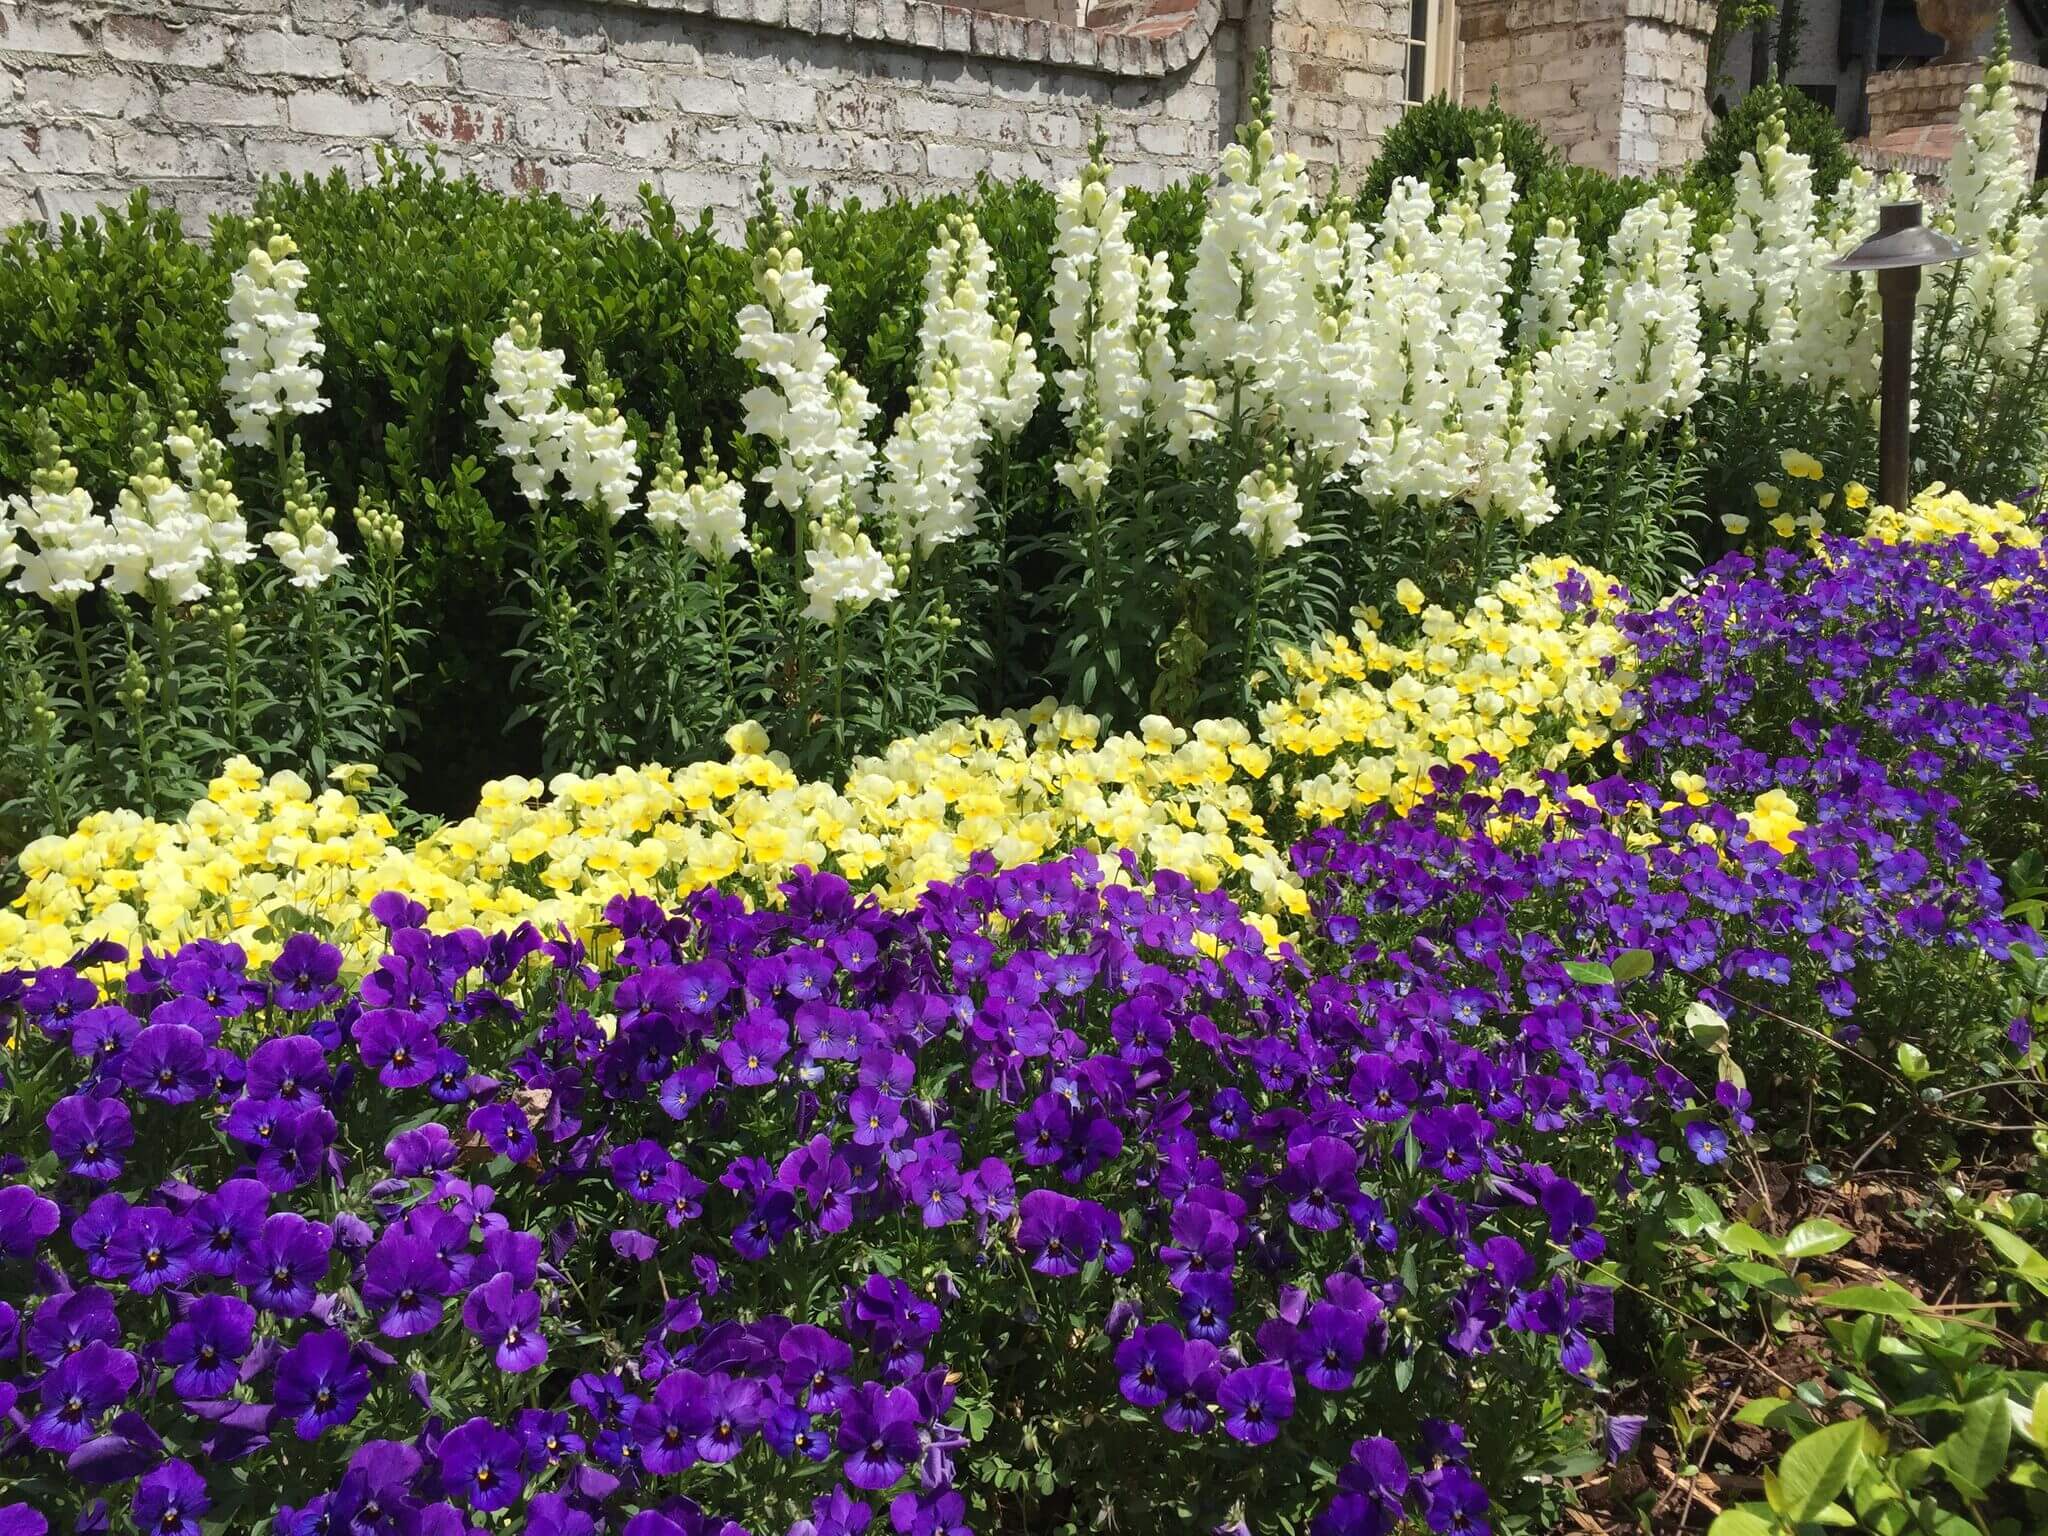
[{"x": 1815, "y": 1471}]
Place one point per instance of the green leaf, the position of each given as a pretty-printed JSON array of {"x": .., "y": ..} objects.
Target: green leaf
[
  {"x": 1780, "y": 1413},
  {"x": 1816, "y": 1469},
  {"x": 1886, "y": 1300},
  {"x": 1741, "y": 1237},
  {"x": 1706, "y": 1026},
  {"x": 2038, "y": 1432},
  {"x": 1745, "y": 1520},
  {"x": 1975, "y": 1454},
  {"x": 1913, "y": 1062},
  {"x": 1591, "y": 972},
  {"x": 2025, "y": 1260},
  {"x": 1812, "y": 1238},
  {"x": 1632, "y": 965}
]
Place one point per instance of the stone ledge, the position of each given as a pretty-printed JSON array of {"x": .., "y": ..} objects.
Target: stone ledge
[
  {"x": 1163, "y": 37},
  {"x": 1913, "y": 111},
  {"x": 1514, "y": 16}
]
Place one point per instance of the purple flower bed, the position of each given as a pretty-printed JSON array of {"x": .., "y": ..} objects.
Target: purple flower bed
[{"x": 808, "y": 1220}]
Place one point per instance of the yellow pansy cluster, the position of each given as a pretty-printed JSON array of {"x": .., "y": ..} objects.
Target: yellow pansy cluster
[
  {"x": 1938, "y": 514},
  {"x": 1519, "y": 676},
  {"x": 1806, "y": 508},
  {"x": 260, "y": 857}
]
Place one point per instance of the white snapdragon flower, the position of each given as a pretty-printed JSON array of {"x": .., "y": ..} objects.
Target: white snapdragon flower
[
  {"x": 1022, "y": 381},
  {"x": 1084, "y": 473},
  {"x": 1557, "y": 265},
  {"x": 846, "y": 573},
  {"x": 68, "y": 545},
  {"x": 1323, "y": 380},
  {"x": 1987, "y": 188},
  {"x": 272, "y": 344},
  {"x": 1269, "y": 512},
  {"x": 709, "y": 513},
  {"x": 931, "y": 465},
  {"x": 203, "y": 464},
  {"x": 161, "y": 543},
  {"x": 1248, "y": 302},
  {"x": 814, "y": 413},
  {"x": 10, "y": 551},
  {"x": 1439, "y": 398},
  {"x": 1409, "y": 447},
  {"x": 1100, "y": 285},
  {"x": 525, "y": 407},
  {"x": 1836, "y": 339},
  {"x": 2037, "y": 243},
  {"x": 305, "y": 545},
  {"x": 1751, "y": 273},
  {"x": 312, "y": 555},
  {"x": 1986, "y": 180},
  {"x": 1660, "y": 371},
  {"x": 1568, "y": 396},
  {"x": 600, "y": 463}
]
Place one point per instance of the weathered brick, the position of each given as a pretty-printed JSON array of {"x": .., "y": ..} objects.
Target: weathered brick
[
  {"x": 620, "y": 87},
  {"x": 155, "y": 156},
  {"x": 397, "y": 61},
  {"x": 504, "y": 73},
  {"x": 546, "y": 126},
  {"x": 297, "y": 158},
  {"x": 80, "y": 200},
  {"x": 586, "y": 97},
  {"x": 341, "y": 116},
  {"x": 705, "y": 97},
  {"x": 955, "y": 162},
  {"x": 67, "y": 93},
  {"x": 229, "y": 106},
  {"x": 44, "y": 149},
  {"x": 692, "y": 189},
  {"x": 654, "y": 140},
  {"x": 287, "y": 53},
  {"x": 28, "y": 29},
  {"x": 462, "y": 122},
  {"x": 150, "y": 40},
  {"x": 782, "y": 102}
]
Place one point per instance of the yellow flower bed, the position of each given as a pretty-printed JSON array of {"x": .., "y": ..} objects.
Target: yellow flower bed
[
  {"x": 1939, "y": 514},
  {"x": 1518, "y": 676}
]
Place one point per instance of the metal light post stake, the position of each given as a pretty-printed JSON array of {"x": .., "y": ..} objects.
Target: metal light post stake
[{"x": 1896, "y": 253}]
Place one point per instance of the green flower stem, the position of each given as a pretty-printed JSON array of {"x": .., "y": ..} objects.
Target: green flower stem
[
  {"x": 138, "y": 718},
  {"x": 316, "y": 675},
  {"x": 166, "y": 659},
  {"x": 1253, "y": 639},
  {"x": 839, "y": 691},
  {"x": 387, "y": 602},
  {"x": 720, "y": 589},
  {"x": 231, "y": 661},
  {"x": 87, "y": 692}
]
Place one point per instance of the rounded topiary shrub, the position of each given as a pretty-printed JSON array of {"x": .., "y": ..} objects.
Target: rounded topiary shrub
[
  {"x": 1809, "y": 126},
  {"x": 1430, "y": 140}
]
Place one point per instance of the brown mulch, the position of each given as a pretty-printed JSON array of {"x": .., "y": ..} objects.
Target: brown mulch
[{"x": 1900, "y": 1237}]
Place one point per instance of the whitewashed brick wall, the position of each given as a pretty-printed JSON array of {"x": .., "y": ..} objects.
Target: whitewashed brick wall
[
  {"x": 199, "y": 98},
  {"x": 1620, "y": 85}
]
